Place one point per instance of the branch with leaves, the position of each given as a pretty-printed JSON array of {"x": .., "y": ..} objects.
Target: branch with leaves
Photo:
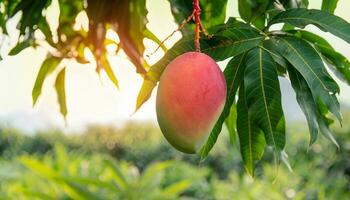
[{"x": 258, "y": 56}]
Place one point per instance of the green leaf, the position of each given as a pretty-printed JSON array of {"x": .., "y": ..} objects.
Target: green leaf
[
  {"x": 87, "y": 181},
  {"x": 47, "y": 67},
  {"x": 231, "y": 41},
  {"x": 309, "y": 63},
  {"x": 19, "y": 47},
  {"x": 329, "y": 5},
  {"x": 324, "y": 129},
  {"x": 228, "y": 42},
  {"x": 311, "y": 37},
  {"x": 231, "y": 124},
  {"x": 151, "y": 174},
  {"x": 245, "y": 10},
  {"x": 340, "y": 63},
  {"x": 255, "y": 12},
  {"x": 109, "y": 71},
  {"x": 118, "y": 176},
  {"x": 136, "y": 22},
  {"x": 177, "y": 188},
  {"x": 317, "y": 121},
  {"x": 269, "y": 47},
  {"x": 325, "y": 21},
  {"x": 284, "y": 157},
  {"x": 259, "y": 21},
  {"x": 3, "y": 23},
  {"x": 288, "y": 4},
  {"x": 304, "y": 4},
  {"x": 61, "y": 156},
  {"x": 263, "y": 97},
  {"x": 61, "y": 91},
  {"x": 38, "y": 167},
  {"x": 80, "y": 191},
  {"x": 80, "y": 58},
  {"x": 126, "y": 18},
  {"x": 31, "y": 15},
  {"x": 34, "y": 195},
  {"x": 234, "y": 76},
  {"x": 148, "y": 34},
  {"x": 44, "y": 26},
  {"x": 305, "y": 101},
  {"x": 251, "y": 138}
]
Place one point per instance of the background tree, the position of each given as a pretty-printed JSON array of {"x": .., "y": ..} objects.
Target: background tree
[{"x": 258, "y": 55}]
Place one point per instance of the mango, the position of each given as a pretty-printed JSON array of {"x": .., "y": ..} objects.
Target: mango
[{"x": 190, "y": 98}]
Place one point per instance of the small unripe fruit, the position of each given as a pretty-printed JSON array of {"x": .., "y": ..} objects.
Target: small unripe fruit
[{"x": 191, "y": 96}]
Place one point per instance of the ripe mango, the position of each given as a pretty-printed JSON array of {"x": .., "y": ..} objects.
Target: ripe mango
[{"x": 191, "y": 96}]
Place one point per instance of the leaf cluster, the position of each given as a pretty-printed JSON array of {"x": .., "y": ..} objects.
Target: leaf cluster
[{"x": 259, "y": 55}]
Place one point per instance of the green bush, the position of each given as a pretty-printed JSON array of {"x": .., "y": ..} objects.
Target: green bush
[{"x": 135, "y": 162}]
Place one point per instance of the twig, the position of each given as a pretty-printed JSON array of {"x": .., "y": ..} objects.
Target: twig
[
  {"x": 169, "y": 36},
  {"x": 199, "y": 26},
  {"x": 206, "y": 34},
  {"x": 197, "y": 13}
]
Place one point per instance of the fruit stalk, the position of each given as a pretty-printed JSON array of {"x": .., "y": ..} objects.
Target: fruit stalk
[{"x": 197, "y": 12}]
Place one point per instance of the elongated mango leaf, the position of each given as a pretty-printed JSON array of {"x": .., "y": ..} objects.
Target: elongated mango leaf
[
  {"x": 61, "y": 91},
  {"x": 28, "y": 22},
  {"x": 340, "y": 63},
  {"x": 263, "y": 97},
  {"x": 251, "y": 138},
  {"x": 19, "y": 47},
  {"x": 32, "y": 9},
  {"x": 288, "y": 4},
  {"x": 269, "y": 47},
  {"x": 3, "y": 23},
  {"x": 325, "y": 130},
  {"x": 109, "y": 71},
  {"x": 228, "y": 42},
  {"x": 325, "y": 21},
  {"x": 317, "y": 122},
  {"x": 47, "y": 67},
  {"x": 234, "y": 76},
  {"x": 329, "y": 5},
  {"x": 306, "y": 102},
  {"x": 309, "y": 63},
  {"x": 230, "y": 123},
  {"x": 284, "y": 157},
  {"x": 137, "y": 22},
  {"x": 337, "y": 60},
  {"x": 127, "y": 19},
  {"x": 44, "y": 26},
  {"x": 311, "y": 37}
]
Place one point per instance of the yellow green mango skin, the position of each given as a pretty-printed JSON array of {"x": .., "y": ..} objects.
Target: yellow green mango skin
[{"x": 191, "y": 96}]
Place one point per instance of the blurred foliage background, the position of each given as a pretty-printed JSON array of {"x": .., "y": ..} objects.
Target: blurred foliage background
[{"x": 135, "y": 162}]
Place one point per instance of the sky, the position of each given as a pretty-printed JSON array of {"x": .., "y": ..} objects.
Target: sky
[{"x": 94, "y": 100}]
